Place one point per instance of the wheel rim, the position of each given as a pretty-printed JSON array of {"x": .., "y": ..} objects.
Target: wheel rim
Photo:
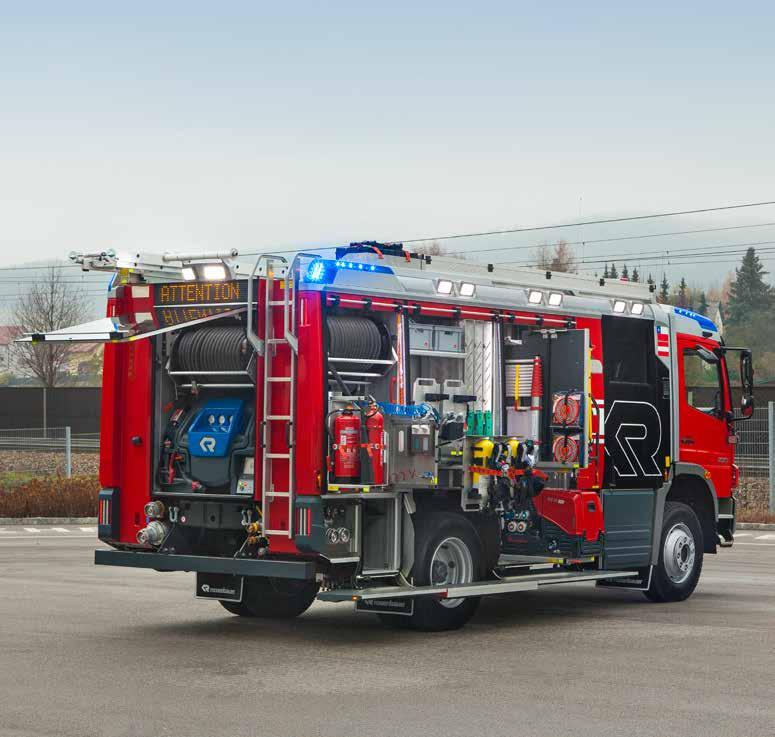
[
  {"x": 451, "y": 564},
  {"x": 679, "y": 553}
]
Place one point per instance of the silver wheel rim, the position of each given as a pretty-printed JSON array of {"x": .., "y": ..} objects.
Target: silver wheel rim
[
  {"x": 679, "y": 553},
  {"x": 451, "y": 564}
]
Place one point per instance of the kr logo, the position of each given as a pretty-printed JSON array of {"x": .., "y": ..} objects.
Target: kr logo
[
  {"x": 205, "y": 588},
  {"x": 207, "y": 444}
]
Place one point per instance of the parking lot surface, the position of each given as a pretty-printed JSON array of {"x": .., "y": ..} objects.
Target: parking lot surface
[{"x": 87, "y": 650}]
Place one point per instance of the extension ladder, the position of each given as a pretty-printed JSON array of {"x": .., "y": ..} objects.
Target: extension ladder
[{"x": 279, "y": 349}]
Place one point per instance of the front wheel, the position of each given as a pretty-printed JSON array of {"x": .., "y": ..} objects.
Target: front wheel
[
  {"x": 274, "y": 598},
  {"x": 447, "y": 552},
  {"x": 677, "y": 573}
]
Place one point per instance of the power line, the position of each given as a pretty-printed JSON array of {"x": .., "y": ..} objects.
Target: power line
[
  {"x": 633, "y": 218},
  {"x": 682, "y": 263},
  {"x": 587, "y": 222},
  {"x": 39, "y": 268},
  {"x": 588, "y": 242},
  {"x": 720, "y": 249}
]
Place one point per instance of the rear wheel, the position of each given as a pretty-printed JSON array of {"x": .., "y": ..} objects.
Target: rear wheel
[
  {"x": 273, "y": 598},
  {"x": 680, "y": 555},
  {"x": 447, "y": 552}
]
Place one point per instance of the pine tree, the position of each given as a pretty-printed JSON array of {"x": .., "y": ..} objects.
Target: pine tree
[
  {"x": 625, "y": 272},
  {"x": 635, "y": 275},
  {"x": 606, "y": 273},
  {"x": 683, "y": 297},
  {"x": 613, "y": 273},
  {"x": 702, "y": 305},
  {"x": 748, "y": 292},
  {"x": 650, "y": 281},
  {"x": 664, "y": 289}
]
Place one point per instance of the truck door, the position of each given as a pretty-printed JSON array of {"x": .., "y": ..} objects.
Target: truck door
[
  {"x": 703, "y": 404},
  {"x": 637, "y": 438}
]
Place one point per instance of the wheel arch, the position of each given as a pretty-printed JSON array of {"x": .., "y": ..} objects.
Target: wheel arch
[
  {"x": 691, "y": 487},
  {"x": 448, "y": 500}
]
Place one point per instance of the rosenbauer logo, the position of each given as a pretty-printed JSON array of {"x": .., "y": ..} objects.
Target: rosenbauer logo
[{"x": 207, "y": 589}]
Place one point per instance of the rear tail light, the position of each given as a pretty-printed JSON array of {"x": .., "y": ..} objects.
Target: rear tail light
[
  {"x": 107, "y": 515},
  {"x": 735, "y": 476}
]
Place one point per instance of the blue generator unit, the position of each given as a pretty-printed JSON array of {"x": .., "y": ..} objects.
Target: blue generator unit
[{"x": 212, "y": 431}]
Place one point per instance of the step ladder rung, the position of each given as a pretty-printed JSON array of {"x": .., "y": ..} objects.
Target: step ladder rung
[{"x": 279, "y": 300}]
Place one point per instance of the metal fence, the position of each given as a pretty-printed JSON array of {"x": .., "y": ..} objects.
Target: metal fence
[
  {"x": 753, "y": 446},
  {"x": 58, "y": 451},
  {"x": 47, "y": 451}
]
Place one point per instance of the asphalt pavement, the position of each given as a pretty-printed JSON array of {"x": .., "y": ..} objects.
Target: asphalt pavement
[{"x": 87, "y": 650}]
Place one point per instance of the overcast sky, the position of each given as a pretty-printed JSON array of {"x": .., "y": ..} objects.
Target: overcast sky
[{"x": 199, "y": 125}]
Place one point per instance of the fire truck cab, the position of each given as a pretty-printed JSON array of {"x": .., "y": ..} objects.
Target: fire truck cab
[{"x": 407, "y": 432}]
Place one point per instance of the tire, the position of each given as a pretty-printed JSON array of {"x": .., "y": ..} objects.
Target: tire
[
  {"x": 488, "y": 527},
  {"x": 237, "y": 608},
  {"x": 273, "y": 598},
  {"x": 681, "y": 547},
  {"x": 447, "y": 549}
]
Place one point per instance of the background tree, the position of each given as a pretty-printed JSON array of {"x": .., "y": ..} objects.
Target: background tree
[
  {"x": 559, "y": 257},
  {"x": 635, "y": 276},
  {"x": 612, "y": 272},
  {"x": 748, "y": 293},
  {"x": 664, "y": 289},
  {"x": 625, "y": 272},
  {"x": 50, "y": 304},
  {"x": 683, "y": 296},
  {"x": 702, "y": 304},
  {"x": 434, "y": 248},
  {"x": 606, "y": 272}
]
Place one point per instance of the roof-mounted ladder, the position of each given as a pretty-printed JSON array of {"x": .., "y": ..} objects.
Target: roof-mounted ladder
[{"x": 279, "y": 348}]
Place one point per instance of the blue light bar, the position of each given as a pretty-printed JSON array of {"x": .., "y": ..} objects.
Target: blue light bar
[{"x": 323, "y": 271}]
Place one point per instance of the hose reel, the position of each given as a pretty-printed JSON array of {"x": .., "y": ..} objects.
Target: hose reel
[
  {"x": 212, "y": 350},
  {"x": 356, "y": 337}
]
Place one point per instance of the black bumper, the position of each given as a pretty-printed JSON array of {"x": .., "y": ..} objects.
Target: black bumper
[{"x": 298, "y": 569}]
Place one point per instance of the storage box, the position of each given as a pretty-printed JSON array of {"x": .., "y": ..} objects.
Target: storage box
[
  {"x": 420, "y": 337},
  {"x": 447, "y": 338}
]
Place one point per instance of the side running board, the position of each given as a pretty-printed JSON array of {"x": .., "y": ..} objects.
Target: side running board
[{"x": 528, "y": 582}]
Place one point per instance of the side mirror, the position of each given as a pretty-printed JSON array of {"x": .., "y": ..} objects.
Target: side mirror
[
  {"x": 746, "y": 379},
  {"x": 706, "y": 355}
]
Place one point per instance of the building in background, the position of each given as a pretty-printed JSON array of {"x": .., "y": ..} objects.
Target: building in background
[{"x": 7, "y": 335}]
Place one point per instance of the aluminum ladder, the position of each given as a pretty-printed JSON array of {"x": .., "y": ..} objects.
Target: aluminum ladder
[{"x": 275, "y": 385}]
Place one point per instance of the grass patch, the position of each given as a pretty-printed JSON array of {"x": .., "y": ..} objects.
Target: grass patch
[
  {"x": 52, "y": 496},
  {"x": 12, "y": 479}
]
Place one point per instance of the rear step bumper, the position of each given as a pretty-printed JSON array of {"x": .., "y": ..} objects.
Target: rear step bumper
[
  {"x": 298, "y": 569},
  {"x": 528, "y": 582}
]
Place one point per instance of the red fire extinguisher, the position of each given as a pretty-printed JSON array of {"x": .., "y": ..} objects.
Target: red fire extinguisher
[
  {"x": 375, "y": 427},
  {"x": 347, "y": 443}
]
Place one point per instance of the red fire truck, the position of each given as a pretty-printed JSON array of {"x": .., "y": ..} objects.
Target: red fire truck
[{"x": 406, "y": 432}]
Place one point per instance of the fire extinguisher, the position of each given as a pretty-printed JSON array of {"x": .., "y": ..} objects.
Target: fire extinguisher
[
  {"x": 375, "y": 427},
  {"x": 347, "y": 444}
]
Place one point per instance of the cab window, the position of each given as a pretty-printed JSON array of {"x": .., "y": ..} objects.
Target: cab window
[{"x": 703, "y": 381}]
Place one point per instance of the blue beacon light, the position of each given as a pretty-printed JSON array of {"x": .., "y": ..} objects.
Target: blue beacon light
[{"x": 322, "y": 270}]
